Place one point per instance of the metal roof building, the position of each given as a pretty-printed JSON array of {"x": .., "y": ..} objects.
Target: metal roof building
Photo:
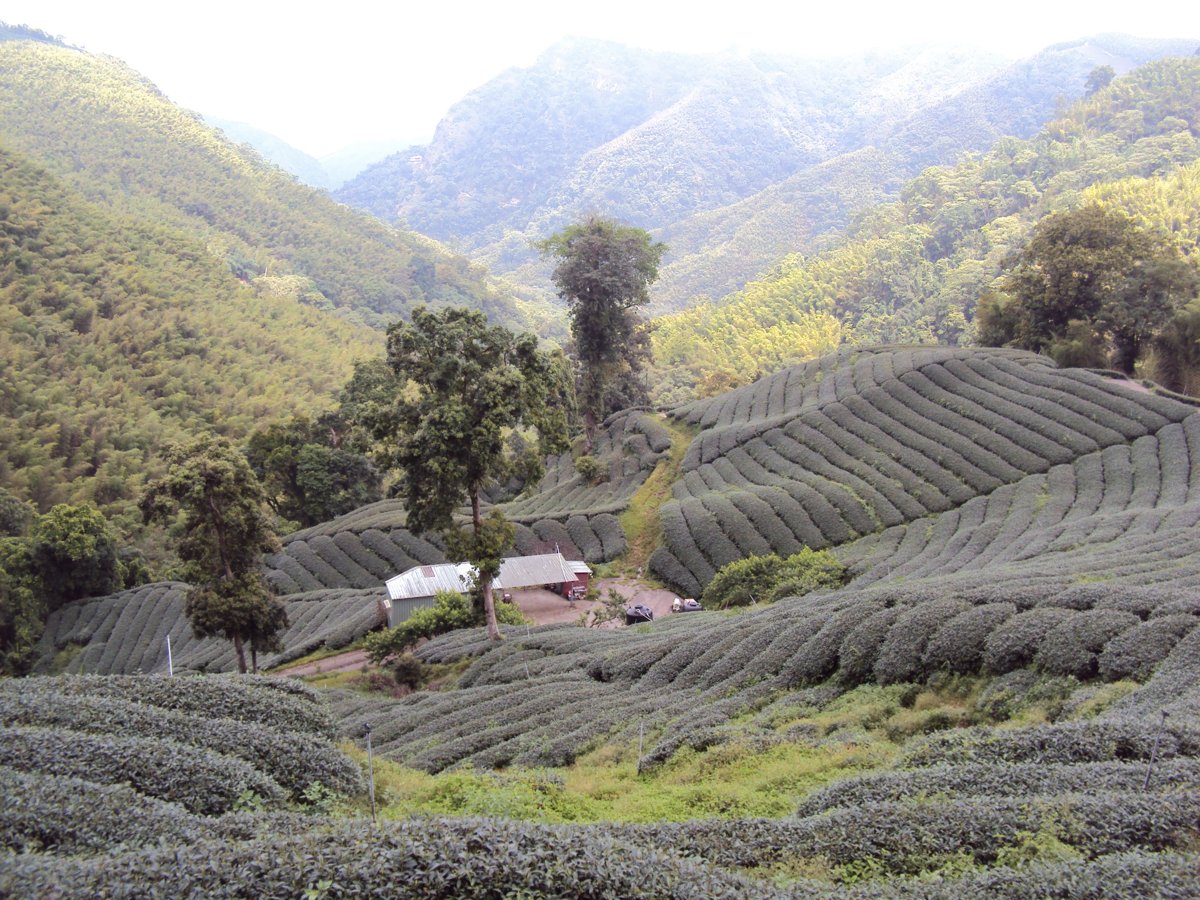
[{"x": 420, "y": 583}]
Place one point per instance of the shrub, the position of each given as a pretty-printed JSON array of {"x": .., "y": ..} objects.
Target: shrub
[
  {"x": 274, "y": 702},
  {"x": 1014, "y": 644},
  {"x": 1135, "y": 652},
  {"x": 902, "y": 656},
  {"x": 958, "y": 646},
  {"x": 408, "y": 671},
  {"x": 427, "y": 857},
  {"x": 293, "y": 760},
  {"x": 1073, "y": 647},
  {"x": 589, "y": 468},
  {"x": 761, "y": 578},
  {"x": 450, "y": 612},
  {"x": 61, "y": 814},
  {"x": 200, "y": 780},
  {"x": 860, "y": 648},
  {"x": 1063, "y": 742}
]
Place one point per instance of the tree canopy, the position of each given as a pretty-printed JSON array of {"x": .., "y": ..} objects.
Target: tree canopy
[
  {"x": 307, "y": 474},
  {"x": 604, "y": 271},
  {"x": 1093, "y": 266},
  {"x": 224, "y": 530},
  {"x": 468, "y": 385}
]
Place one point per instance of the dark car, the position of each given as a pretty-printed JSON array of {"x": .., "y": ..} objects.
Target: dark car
[{"x": 638, "y": 613}]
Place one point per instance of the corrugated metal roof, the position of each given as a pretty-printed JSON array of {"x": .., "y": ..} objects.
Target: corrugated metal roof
[
  {"x": 425, "y": 581},
  {"x": 515, "y": 572},
  {"x": 527, "y": 571}
]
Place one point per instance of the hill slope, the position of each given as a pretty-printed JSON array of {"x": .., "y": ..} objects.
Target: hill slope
[
  {"x": 121, "y": 334},
  {"x": 111, "y": 136},
  {"x": 1023, "y": 541}
]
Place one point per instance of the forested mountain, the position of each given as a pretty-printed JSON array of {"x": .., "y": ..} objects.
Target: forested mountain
[
  {"x": 913, "y": 270},
  {"x": 114, "y": 138},
  {"x": 735, "y": 160},
  {"x": 157, "y": 280},
  {"x": 120, "y": 334}
]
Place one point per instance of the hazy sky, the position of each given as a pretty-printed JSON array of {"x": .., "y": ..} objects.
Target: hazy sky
[{"x": 322, "y": 77}]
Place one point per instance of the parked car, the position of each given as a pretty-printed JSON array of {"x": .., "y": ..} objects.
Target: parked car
[
  {"x": 638, "y": 613},
  {"x": 690, "y": 605}
]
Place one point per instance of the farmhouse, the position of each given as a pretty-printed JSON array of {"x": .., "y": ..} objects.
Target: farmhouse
[{"x": 415, "y": 588}]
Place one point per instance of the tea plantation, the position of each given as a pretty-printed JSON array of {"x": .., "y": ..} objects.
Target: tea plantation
[{"x": 1003, "y": 701}]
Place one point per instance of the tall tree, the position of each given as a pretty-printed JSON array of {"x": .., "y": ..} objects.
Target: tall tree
[
  {"x": 1094, "y": 266},
  {"x": 74, "y": 554},
  {"x": 307, "y": 475},
  {"x": 467, "y": 385},
  {"x": 604, "y": 271},
  {"x": 225, "y": 529}
]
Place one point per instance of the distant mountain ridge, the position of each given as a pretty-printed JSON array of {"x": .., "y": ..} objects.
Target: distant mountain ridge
[
  {"x": 327, "y": 173},
  {"x": 678, "y": 144}
]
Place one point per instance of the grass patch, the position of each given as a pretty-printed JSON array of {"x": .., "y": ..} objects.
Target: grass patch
[
  {"x": 773, "y": 759},
  {"x": 640, "y": 521}
]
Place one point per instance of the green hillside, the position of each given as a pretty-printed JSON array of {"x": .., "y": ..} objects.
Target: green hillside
[
  {"x": 121, "y": 334},
  {"x": 912, "y": 270},
  {"x": 979, "y": 706},
  {"x": 158, "y": 280},
  {"x": 114, "y": 138}
]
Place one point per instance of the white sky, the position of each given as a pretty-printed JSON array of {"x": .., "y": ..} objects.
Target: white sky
[{"x": 325, "y": 76}]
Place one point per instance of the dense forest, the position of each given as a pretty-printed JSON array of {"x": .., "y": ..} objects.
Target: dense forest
[{"x": 159, "y": 280}]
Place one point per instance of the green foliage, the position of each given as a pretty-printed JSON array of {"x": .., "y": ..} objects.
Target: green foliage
[
  {"x": 73, "y": 554},
  {"x": 603, "y": 270},
  {"x": 469, "y": 383},
  {"x": 759, "y": 579},
  {"x": 224, "y": 530},
  {"x": 133, "y": 277},
  {"x": 22, "y": 608},
  {"x": 295, "y": 761},
  {"x": 1099, "y": 78},
  {"x": 280, "y": 704},
  {"x": 124, "y": 334},
  {"x": 472, "y": 382},
  {"x": 450, "y": 612},
  {"x": 1093, "y": 265},
  {"x": 589, "y": 468},
  {"x": 308, "y": 477},
  {"x": 408, "y": 671},
  {"x": 15, "y": 514},
  {"x": 200, "y": 780}
]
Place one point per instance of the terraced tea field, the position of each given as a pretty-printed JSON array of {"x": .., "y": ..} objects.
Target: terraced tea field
[{"x": 1003, "y": 701}]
